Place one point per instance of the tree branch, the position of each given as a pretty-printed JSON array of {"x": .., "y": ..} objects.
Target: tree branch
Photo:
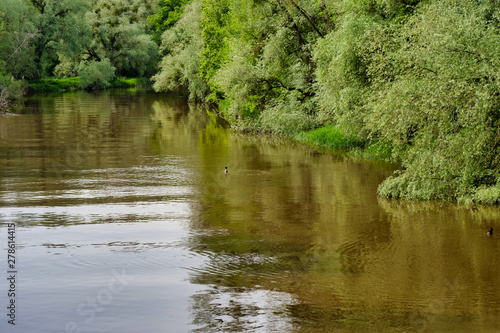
[{"x": 307, "y": 17}]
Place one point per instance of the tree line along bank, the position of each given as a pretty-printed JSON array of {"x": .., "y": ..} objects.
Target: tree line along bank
[{"x": 413, "y": 80}]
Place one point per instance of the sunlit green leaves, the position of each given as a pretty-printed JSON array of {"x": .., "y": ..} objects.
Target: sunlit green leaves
[
  {"x": 167, "y": 14},
  {"x": 258, "y": 60},
  {"x": 341, "y": 73},
  {"x": 182, "y": 44},
  {"x": 441, "y": 109}
]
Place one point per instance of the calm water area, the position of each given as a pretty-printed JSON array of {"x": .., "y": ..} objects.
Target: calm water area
[{"x": 126, "y": 222}]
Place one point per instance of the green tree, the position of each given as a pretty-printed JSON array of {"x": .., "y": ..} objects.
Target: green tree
[
  {"x": 341, "y": 73},
  {"x": 120, "y": 34},
  {"x": 258, "y": 63},
  {"x": 182, "y": 45},
  {"x": 440, "y": 108},
  {"x": 17, "y": 38},
  {"x": 214, "y": 23},
  {"x": 17, "y": 34},
  {"x": 62, "y": 32},
  {"x": 168, "y": 13},
  {"x": 96, "y": 74}
]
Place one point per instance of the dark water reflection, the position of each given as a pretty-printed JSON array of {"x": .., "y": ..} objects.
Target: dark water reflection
[{"x": 127, "y": 223}]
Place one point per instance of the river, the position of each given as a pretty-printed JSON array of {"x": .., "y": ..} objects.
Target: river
[{"x": 123, "y": 220}]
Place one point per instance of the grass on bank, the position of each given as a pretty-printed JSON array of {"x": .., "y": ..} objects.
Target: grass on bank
[
  {"x": 334, "y": 138},
  {"x": 328, "y": 136},
  {"x": 73, "y": 83},
  {"x": 52, "y": 84},
  {"x": 130, "y": 82}
]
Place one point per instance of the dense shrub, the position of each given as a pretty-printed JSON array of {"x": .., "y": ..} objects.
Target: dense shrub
[{"x": 96, "y": 75}]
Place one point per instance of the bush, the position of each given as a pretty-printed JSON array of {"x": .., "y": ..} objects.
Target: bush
[
  {"x": 485, "y": 195},
  {"x": 130, "y": 82},
  {"x": 289, "y": 116},
  {"x": 96, "y": 75}
]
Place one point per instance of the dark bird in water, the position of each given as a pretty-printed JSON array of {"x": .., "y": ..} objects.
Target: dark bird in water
[
  {"x": 226, "y": 170},
  {"x": 490, "y": 232}
]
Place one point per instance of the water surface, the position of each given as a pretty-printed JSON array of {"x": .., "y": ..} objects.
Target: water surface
[{"x": 126, "y": 222}]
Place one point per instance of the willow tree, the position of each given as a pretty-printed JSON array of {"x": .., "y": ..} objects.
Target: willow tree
[
  {"x": 167, "y": 14},
  {"x": 117, "y": 42},
  {"x": 17, "y": 36},
  {"x": 179, "y": 69},
  {"x": 17, "y": 52},
  {"x": 439, "y": 106},
  {"x": 355, "y": 56},
  {"x": 62, "y": 31},
  {"x": 257, "y": 56},
  {"x": 120, "y": 34}
]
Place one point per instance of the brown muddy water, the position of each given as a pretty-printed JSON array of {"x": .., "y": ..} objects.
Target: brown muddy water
[{"x": 123, "y": 220}]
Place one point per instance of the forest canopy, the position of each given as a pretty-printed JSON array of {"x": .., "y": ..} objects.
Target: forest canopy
[
  {"x": 93, "y": 39},
  {"x": 418, "y": 78}
]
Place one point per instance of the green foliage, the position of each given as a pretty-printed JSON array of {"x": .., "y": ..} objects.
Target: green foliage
[
  {"x": 180, "y": 68},
  {"x": 67, "y": 38},
  {"x": 17, "y": 38},
  {"x": 10, "y": 91},
  {"x": 329, "y": 136},
  {"x": 391, "y": 9},
  {"x": 486, "y": 195},
  {"x": 96, "y": 75},
  {"x": 289, "y": 115},
  {"x": 62, "y": 30},
  {"x": 441, "y": 110},
  {"x": 54, "y": 84},
  {"x": 169, "y": 12},
  {"x": 73, "y": 83},
  {"x": 214, "y": 23},
  {"x": 130, "y": 82},
  {"x": 341, "y": 74},
  {"x": 374, "y": 150},
  {"x": 119, "y": 33},
  {"x": 73, "y": 33},
  {"x": 265, "y": 70}
]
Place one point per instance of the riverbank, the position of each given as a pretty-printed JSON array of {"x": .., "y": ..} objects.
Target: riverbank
[
  {"x": 331, "y": 137},
  {"x": 378, "y": 72},
  {"x": 73, "y": 83}
]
